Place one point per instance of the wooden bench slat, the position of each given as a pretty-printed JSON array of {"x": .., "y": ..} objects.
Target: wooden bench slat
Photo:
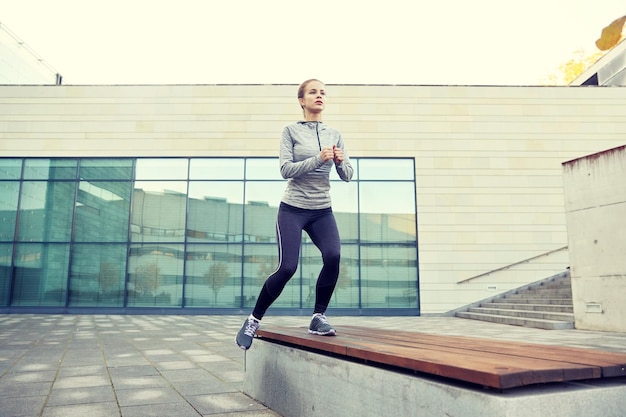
[
  {"x": 466, "y": 361},
  {"x": 611, "y": 364},
  {"x": 493, "y": 370}
]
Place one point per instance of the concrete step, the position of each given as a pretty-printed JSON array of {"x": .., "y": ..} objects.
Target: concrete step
[
  {"x": 520, "y": 300},
  {"x": 518, "y": 321},
  {"x": 530, "y": 314},
  {"x": 546, "y": 294},
  {"x": 553, "y": 291},
  {"x": 558, "y": 308}
]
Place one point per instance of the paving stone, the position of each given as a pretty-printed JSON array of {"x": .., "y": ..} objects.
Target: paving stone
[
  {"x": 71, "y": 396},
  {"x": 22, "y": 406}
]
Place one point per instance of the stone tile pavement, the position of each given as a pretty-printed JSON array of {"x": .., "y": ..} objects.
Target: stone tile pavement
[{"x": 176, "y": 366}]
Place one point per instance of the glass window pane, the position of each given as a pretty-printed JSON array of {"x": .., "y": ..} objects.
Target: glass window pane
[
  {"x": 159, "y": 211},
  {"x": 162, "y": 169},
  {"x": 259, "y": 262},
  {"x": 261, "y": 193},
  {"x": 345, "y": 208},
  {"x": 50, "y": 169},
  {"x": 102, "y": 211},
  {"x": 97, "y": 275},
  {"x": 6, "y": 256},
  {"x": 217, "y": 191},
  {"x": 8, "y": 207},
  {"x": 41, "y": 275},
  {"x": 155, "y": 275},
  {"x": 389, "y": 276},
  {"x": 387, "y": 212},
  {"x": 346, "y": 294},
  {"x": 215, "y": 211},
  {"x": 213, "y": 275},
  {"x": 46, "y": 210},
  {"x": 10, "y": 169},
  {"x": 106, "y": 169},
  {"x": 216, "y": 169},
  {"x": 386, "y": 169},
  {"x": 261, "y": 209},
  {"x": 263, "y": 169}
]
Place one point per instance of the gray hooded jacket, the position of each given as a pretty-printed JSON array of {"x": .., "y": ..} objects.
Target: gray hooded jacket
[{"x": 308, "y": 184}]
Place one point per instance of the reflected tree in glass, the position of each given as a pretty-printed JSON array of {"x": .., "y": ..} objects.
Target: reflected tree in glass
[{"x": 216, "y": 278}]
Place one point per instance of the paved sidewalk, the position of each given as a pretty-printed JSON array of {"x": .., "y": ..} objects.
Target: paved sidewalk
[{"x": 176, "y": 366}]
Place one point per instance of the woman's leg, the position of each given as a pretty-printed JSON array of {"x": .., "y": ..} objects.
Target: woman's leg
[
  {"x": 325, "y": 235},
  {"x": 289, "y": 225}
]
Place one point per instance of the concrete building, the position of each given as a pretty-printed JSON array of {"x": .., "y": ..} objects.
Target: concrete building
[{"x": 130, "y": 198}]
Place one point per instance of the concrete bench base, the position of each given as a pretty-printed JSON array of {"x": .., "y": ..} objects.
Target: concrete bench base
[{"x": 299, "y": 383}]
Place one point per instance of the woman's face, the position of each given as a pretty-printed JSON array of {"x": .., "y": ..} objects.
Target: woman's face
[{"x": 314, "y": 100}]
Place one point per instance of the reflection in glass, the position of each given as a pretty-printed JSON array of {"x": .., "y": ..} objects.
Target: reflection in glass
[
  {"x": 393, "y": 222},
  {"x": 207, "y": 242},
  {"x": 41, "y": 274},
  {"x": 386, "y": 169},
  {"x": 263, "y": 169},
  {"x": 6, "y": 256},
  {"x": 345, "y": 207},
  {"x": 106, "y": 169},
  {"x": 216, "y": 169},
  {"x": 155, "y": 275},
  {"x": 262, "y": 200},
  {"x": 388, "y": 276},
  {"x": 102, "y": 211},
  {"x": 387, "y": 197},
  {"x": 213, "y": 276},
  {"x": 215, "y": 211},
  {"x": 162, "y": 169},
  {"x": 159, "y": 211},
  {"x": 10, "y": 169},
  {"x": 259, "y": 262},
  {"x": 265, "y": 193},
  {"x": 9, "y": 191},
  {"x": 346, "y": 293},
  {"x": 97, "y": 275},
  {"x": 50, "y": 169},
  {"x": 46, "y": 210}
]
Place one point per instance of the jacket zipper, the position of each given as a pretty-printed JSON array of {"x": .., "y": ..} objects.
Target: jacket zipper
[{"x": 318, "y": 135}]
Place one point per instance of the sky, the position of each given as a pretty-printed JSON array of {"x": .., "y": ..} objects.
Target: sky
[{"x": 441, "y": 42}]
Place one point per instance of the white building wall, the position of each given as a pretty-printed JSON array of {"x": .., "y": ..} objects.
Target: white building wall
[{"x": 488, "y": 159}]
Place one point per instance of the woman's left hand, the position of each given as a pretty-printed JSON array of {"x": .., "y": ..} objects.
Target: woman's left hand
[{"x": 337, "y": 155}]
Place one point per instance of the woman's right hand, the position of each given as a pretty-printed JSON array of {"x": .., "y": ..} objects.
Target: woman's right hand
[{"x": 327, "y": 154}]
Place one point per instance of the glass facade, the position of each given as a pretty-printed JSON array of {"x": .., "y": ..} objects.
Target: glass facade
[{"x": 195, "y": 235}]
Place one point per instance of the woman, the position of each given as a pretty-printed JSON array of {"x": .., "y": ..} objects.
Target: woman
[{"x": 308, "y": 151}]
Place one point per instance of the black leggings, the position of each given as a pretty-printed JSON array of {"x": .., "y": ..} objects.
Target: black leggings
[{"x": 322, "y": 229}]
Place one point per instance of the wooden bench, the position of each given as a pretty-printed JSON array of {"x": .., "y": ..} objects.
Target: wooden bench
[{"x": 486, "y": 362}]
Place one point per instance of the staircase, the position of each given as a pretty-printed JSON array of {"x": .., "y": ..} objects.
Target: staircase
[{"x": 543, "y": 305}]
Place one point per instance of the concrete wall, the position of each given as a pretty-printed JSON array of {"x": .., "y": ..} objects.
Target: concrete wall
[
  {"x": 488, "y": 159},
  {"x": 595, "y": 203}
]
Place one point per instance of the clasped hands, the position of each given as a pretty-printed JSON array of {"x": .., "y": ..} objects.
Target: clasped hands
[{"x": 334, "y": 153}]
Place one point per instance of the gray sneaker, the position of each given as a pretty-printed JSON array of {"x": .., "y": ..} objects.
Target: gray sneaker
[
  {"x": 320, "y": 326},
  {"x": 247, "y": 332}
]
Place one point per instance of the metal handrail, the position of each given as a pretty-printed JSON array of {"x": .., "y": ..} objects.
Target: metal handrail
[{"x": 511, "y": 265}]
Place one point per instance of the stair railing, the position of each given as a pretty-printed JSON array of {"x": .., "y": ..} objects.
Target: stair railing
[{"x": 484, "y": 274}]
